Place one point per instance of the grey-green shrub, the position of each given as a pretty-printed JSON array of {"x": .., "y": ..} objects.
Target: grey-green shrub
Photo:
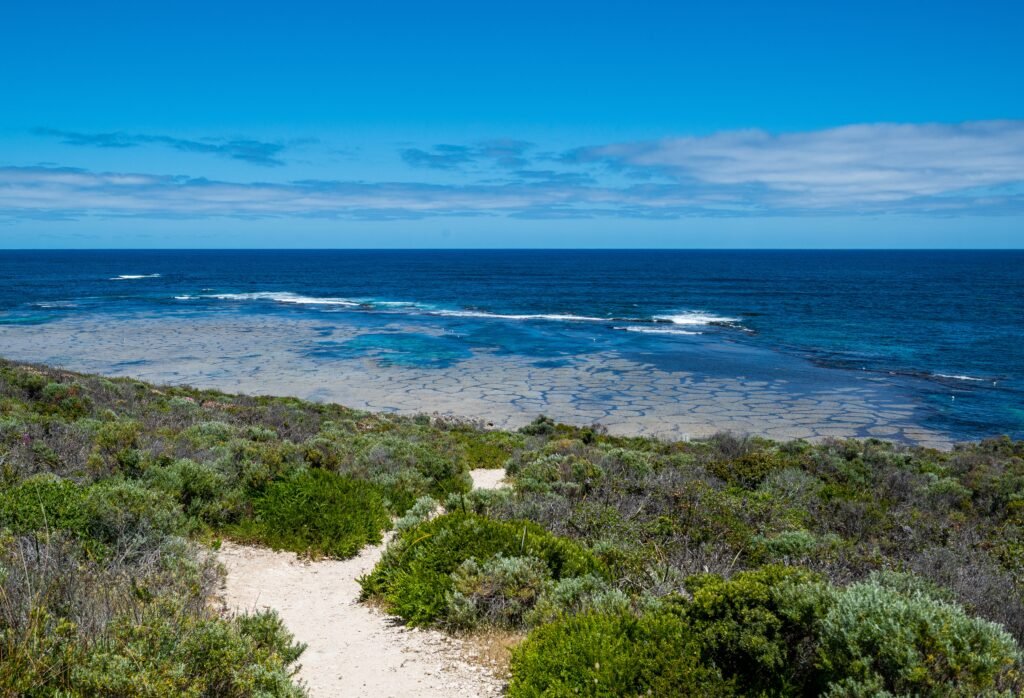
[
  {"x": 912, "y": 643},
  {"x": 498, "y": 592},
  {"x": 420, "y": 511},
  {"x": 573, "y": 595}
]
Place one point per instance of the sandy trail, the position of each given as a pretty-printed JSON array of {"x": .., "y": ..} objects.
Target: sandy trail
[{"x": 353, "y": 650}]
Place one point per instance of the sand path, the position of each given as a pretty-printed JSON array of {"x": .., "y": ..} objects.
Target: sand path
[{"x": 353, "y": 649}]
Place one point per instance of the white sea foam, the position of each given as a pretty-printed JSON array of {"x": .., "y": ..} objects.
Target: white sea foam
[
  {"x": 501, "y": 316},
  {"x": 393, "y": 304},
  {"x": 693, "y": 319},
  {"x": 654, "y": 329},
  {"x": 958, "y": 378},
  {"x": 696, "y": 319},
  {"x": 283, "y": 297},
  {"x": 183, "y": 298},
  {"x": 56, "y": 304},
  {"x": 131, "y": 277}
]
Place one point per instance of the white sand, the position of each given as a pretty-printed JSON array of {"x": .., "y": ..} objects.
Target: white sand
[
  {"x": 353, "y": 650},
  {"x": 488, "y": 478}
]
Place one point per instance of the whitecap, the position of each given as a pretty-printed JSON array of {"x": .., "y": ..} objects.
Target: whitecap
[
  {"x": 958, "y": 378},
  {"x": 561, "y": 317},
  {"x": 656, "y": 330},
  {"x": 283, "y": 297},
  {"x": 132, "y": 277},
  {"x": 56, "y": 304},
  {"x": 694, "y": 318}
]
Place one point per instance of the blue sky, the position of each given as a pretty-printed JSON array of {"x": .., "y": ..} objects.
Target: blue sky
[{"x": 446, "y": 124}]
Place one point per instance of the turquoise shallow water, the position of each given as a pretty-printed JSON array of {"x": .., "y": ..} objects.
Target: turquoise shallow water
[{"x": 946, "y": 328}]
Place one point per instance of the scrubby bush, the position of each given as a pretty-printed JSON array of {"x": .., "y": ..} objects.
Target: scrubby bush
[
  {"x": 487, "y": 449},
  {"x": 64, "y": 399},
  {"x": 758, "y": 628},
  {"x": 198, "y": 487},
  {"x": 613, "y": 655},
  {"x": 775, "y": 631},
  {"x": 414, "y": 577},
  {"x": 573, "y": 595},
  {"x": 43, "y": 502},
  {"x": 498, "y": 592},
  {"x": 164, "y": 652},
  {"x": 317, "y": 512},
  {"x": 901, "y": 638},
  {"x": 478, "y": 501},
  {"x": 423, "y": 509}
]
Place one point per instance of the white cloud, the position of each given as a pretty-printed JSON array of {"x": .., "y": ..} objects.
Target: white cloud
[
  {"x": 931, "y": 169},
  {"x": 850, "y": 167}
]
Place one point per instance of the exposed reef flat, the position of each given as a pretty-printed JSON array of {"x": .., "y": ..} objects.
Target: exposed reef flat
[{"x": 709, "y": 385}]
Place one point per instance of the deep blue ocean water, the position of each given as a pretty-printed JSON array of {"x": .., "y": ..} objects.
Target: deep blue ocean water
[{"x": 948, "y": 324}]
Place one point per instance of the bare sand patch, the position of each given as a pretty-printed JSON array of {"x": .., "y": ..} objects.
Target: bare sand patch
[
  {"x": 488, "y": 478},
  {"x": 355, "y": 649}
]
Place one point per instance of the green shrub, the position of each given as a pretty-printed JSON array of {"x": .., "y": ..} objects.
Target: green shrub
[
  {"x": 497, "y": 593},
  {"x": 123, "y": 514},
  {"x": 477, "y": 501},
  {"x": 748, "y": 470},
  {"x": 422, "y": 510},
  {"x": 487, "y": 449},
  {"x": 405, "y": 469},
  {"x": 113, "y": 514},
  {"x": 317, "y": 512},
  {"x": 910, "y": 643},
  {"x": 164, "y": 652},
  {"x": 414, "y": 577},
  {"x": 793, "y": 547},
  {"x": 64, "y": 399},
  {"x": 758, "y": 628},
  {"x": 43, "y": 502},
  {"x": 541, "y": 426},
  {"x": 210, "y": 433},
  {"x": 198, "y": 487},
  {"x": 573, "y": 595},
  {"x": 613, "y": 655}
]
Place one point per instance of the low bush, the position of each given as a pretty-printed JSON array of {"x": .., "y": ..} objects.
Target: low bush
[
  {"x": 161, "y": 653},
  {"x": 317, "y": 512},
  {"x": 43, "y": 502},
  {"x": 496, "y": 593},
  {"x": 613, "y": 655},
  {"x": 414, "y": 577},
  {"x": 758, "y": 627},
  {"x": 903, "y": 640},
  {"x": 775, "y": 631},
  {"x": 572, "y": 595}
]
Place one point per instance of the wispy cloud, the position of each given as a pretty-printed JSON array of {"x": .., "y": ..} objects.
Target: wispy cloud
[
  {"x": 931, "y": 170},
  {"x": 70, "y": 192},
  {"x": 440, "y": 157},
  {"x": 504, "y": 153},
  {"x": 865, "y": 166},
  {"x": 248, "y": 150}
]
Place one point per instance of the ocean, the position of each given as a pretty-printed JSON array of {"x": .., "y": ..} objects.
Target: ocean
[{"x": 938, "y": 333}]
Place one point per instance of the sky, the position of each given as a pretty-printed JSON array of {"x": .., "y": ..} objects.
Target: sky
[{"x": 529, "y": 124}]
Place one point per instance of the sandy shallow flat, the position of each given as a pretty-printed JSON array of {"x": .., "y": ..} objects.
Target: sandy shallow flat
[
  {"x": 709, "y": 386},
  {"x": 353, "y": 649}
]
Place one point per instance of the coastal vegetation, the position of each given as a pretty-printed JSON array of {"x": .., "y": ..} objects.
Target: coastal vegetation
[{"x": 626, "y": 566}]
